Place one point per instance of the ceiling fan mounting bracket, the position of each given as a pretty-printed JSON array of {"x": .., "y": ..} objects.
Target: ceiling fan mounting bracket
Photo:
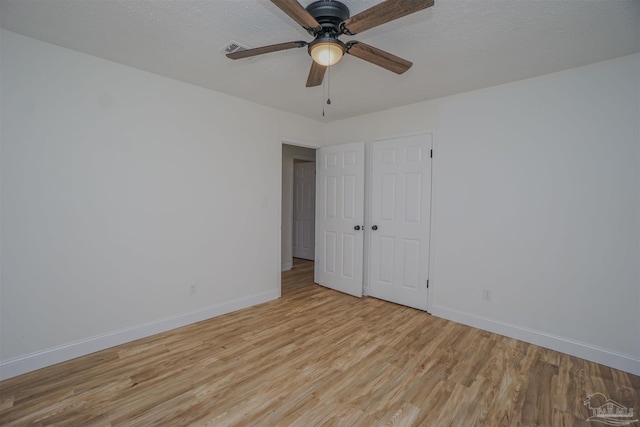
[{"x": 329, "y": 14}]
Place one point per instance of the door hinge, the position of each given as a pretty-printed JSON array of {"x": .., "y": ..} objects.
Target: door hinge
[
  {"x": 427, "y": 283},
  {"x": 432, "y": 154}
]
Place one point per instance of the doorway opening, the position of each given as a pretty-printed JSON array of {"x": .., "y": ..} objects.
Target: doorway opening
[{"x": 298, "y": 206}]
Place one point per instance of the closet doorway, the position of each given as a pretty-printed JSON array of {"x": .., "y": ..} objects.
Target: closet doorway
[{"x": 378, "y": 244}]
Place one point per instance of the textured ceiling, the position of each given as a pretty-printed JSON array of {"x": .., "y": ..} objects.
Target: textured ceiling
[{"x": 456, "y": 46}]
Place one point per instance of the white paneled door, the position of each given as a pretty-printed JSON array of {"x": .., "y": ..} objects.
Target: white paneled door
[
  {"x": 304, "y": 207},
  {"x": 339, "y": 217},
  {"x": 400, "y": 219}
]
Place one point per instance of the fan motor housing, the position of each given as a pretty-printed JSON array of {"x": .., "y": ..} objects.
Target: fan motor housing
[{"x": 329, "y": 14}]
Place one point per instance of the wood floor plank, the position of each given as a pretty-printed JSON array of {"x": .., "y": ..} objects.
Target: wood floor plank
[
  {"x": 537, "y": 408},
  {"x": 317, "y": 357}
]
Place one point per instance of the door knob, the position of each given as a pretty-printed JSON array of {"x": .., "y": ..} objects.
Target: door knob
[
  {"x": 374, "y": 228},
  {"x": 357, "y": 227}
]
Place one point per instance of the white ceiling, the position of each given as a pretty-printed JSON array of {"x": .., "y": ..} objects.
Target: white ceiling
[{"x": 456, "y": 46}]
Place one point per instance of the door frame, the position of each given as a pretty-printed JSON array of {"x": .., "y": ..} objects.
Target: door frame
[{"x": 298, "y": 143}]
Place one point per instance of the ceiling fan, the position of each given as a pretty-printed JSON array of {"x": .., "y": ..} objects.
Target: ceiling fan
[{"x": 327, "y": 20}]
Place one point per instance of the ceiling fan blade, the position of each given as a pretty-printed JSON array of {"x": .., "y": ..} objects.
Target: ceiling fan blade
[
  {"x": 316, "y": 74},
  {"x": 378, "y": 57},
  {"x": 298, "y": 14},
  {"x": 265, "y": 49},
  {"x": 382, "y": 13}
]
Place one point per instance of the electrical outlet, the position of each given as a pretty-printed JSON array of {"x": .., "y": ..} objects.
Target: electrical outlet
[
  {"x": 486, "y": 294},
  {"x": 193, "y": 289}
]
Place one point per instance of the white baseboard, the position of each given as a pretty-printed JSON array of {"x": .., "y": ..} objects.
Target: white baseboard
[
  {"x": 31, "y": 362},
  {"x": 286, "y": 266},
  {"x": 574, "y": 348}
]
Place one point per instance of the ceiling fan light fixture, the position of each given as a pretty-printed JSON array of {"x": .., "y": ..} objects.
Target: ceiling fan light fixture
[
  {"x": 327, "y": 20},
  {"x": 326, "y": 53}
]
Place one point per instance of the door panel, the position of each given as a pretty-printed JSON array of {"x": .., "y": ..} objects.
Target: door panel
[
  {"x": 349, "y": 198},
  {"x": 401, "y": 205},
  {"x": 411, "y": 263},
  {"x": 304, "y": 206},
  {"x": 340, "y": 208},
  {"x": 388, "y": 196}
]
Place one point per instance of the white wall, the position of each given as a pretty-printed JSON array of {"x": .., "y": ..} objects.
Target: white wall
[
  {"x": 119, "y": 190},
  {"x": 537, "y": 198},
  {"x": 289, "y": 153}
]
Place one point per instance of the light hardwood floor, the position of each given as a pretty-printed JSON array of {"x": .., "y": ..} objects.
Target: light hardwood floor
[{"x": 317, "y": 357}]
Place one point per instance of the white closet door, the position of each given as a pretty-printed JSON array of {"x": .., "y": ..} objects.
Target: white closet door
[
  {"x": 400, "y": 220},
  {"x": 339, "y": 217}
]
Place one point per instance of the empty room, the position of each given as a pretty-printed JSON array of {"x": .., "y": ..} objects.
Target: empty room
[{"x": 301, "y": 213}]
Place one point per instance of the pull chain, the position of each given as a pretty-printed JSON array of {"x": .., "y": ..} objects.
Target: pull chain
[
  {"x": 323, "y": 85},
  {"x": 327, "y": 82},
  {"x": 329, "y": 87}
]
